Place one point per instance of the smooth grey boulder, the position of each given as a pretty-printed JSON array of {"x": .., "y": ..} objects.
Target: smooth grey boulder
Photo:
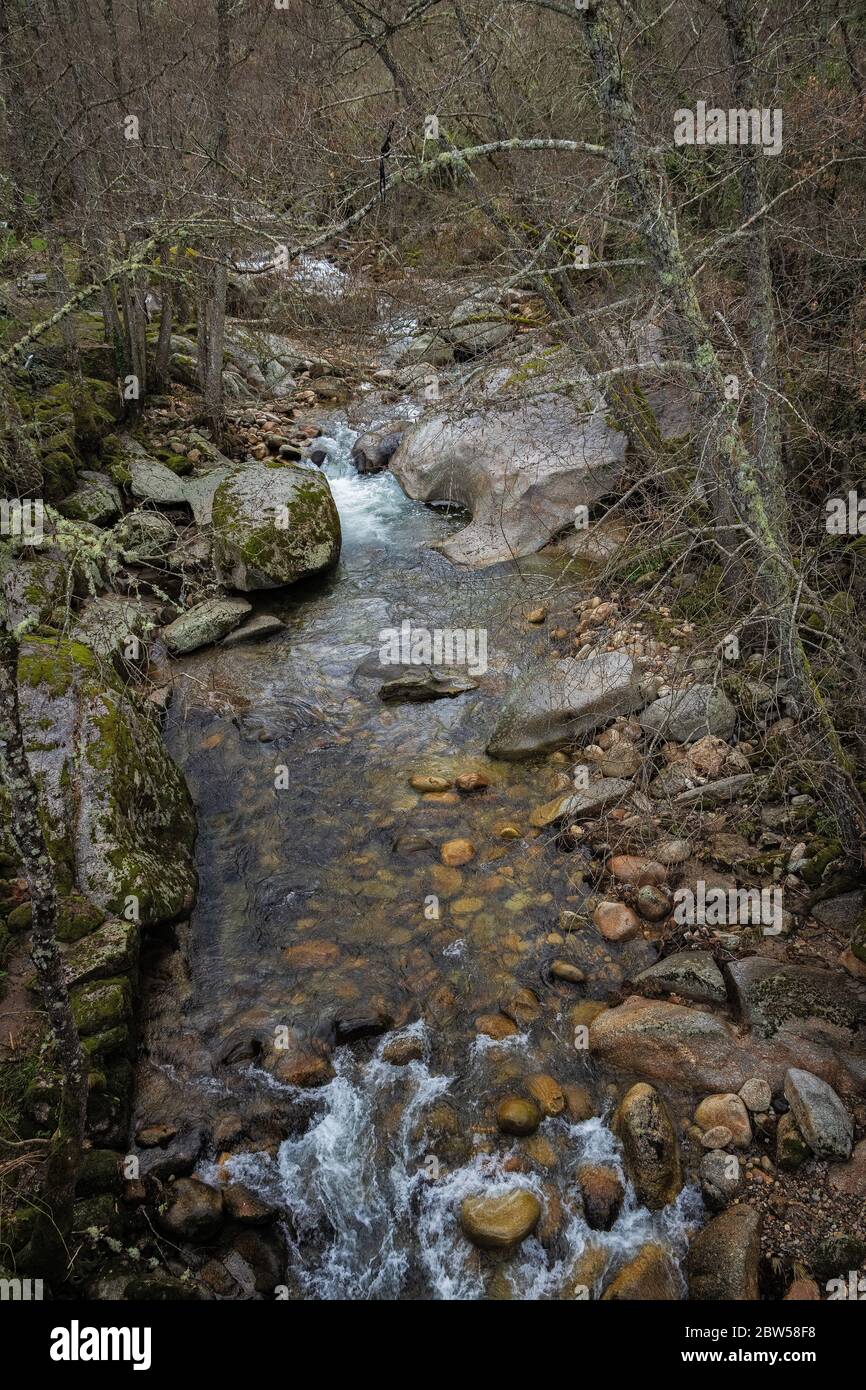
[
  {"x": 554, "y": 704},
  {"x": 151, "y": 481},
  {"x": 205, "y": 623},
  {"x": 821, "y": 1117},
  {"x": 519, "y": 470},
  {"x": 372, "y": 452},
  {"x": 693, "y": 974},
  {"x": 273, "y": 525},
  {"x": 255, "y": 629},
  {"x": 687, "y": 715}
]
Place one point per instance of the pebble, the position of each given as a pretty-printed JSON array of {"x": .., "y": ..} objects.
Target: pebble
[
  {"x": 756, "y": 1095},
  {"x": 616, "y": 922},
  {"x": 564, "y": 970},
  {"x": 424, "y": 783},
  {"x": 456, "y": 852},
  {"x": 514, "y": 1115}
]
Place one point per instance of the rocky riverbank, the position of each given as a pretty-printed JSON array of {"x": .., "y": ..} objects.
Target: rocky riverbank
[{"x": 566, "y": 935}]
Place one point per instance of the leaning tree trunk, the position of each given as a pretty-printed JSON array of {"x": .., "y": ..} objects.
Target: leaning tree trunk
[
  {"x": 735, "y": 472},
  {"x": 46, "y": 1253}
]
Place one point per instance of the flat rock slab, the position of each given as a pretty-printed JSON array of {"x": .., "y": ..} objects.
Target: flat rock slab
[
  {"x": 556, "y": 703},
  {"x": 680, "y": 1046},
  {"x": 416, "y": 687},
  {"x": 693, "y": 974},
  {"x": 205, "y": 623},
  {"x": 821, "y": 1117},
  {"x": 256, "y": 629},
  {"x": 153, "y": 482},
  {"x": 769, "y": 995},
  {"x": 583, "y": 804},
  {"x": 850, "y": 1177}
]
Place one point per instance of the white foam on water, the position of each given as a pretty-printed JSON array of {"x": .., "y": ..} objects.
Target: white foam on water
[
  {"x": 370, "y": 1214},
  {"x": 372, "y": 507}
]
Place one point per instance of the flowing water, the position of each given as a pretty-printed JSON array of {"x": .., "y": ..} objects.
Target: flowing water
[{"x": 326, "y": 926}]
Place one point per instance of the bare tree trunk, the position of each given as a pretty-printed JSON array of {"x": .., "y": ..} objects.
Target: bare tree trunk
[
  {"x": 214, "y": 280},
  {"x": 166, "y": 314},
  {"x": 735, "y": 474},
  {"x": 766, "y": 434},
  {"x": 46, "y": 1252}
]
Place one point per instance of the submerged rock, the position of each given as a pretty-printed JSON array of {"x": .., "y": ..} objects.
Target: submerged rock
[
  {"x": 499, "y": 1223},
  {"x": 514, "y": 1115},
  {"x": 416, "y": 687},
  {"x": 273, "y": 526},
  {"x": 552, "y": 705}
]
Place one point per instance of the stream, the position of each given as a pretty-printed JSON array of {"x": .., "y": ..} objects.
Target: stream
[{"x": 327, "y": 928}]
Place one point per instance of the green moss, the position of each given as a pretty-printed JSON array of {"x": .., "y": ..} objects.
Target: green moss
[
  {"x": 101, "y": 1005},
  {"x": 54, "y": 664},
  {"x": 76, "y": 918}
]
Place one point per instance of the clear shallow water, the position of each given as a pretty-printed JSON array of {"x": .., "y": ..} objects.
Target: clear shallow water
[{"x": 313, "y": 917}]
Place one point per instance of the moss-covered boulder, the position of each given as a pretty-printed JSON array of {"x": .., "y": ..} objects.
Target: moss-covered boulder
[
  {"x": 95, "y": 499},
  {"x": 205, "y": 623},
  {"x": 273, "y": 525},
  {"x": 117, "y": 812},
  {"x": 101, "y": 1004},
  {"x": 76, "y": 918},
  {"x": 111, "y": 950},
  {"x": 145, "y": 538}
]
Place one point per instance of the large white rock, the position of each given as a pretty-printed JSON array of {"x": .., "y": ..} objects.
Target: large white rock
[{"x": 520, "y": 470}]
